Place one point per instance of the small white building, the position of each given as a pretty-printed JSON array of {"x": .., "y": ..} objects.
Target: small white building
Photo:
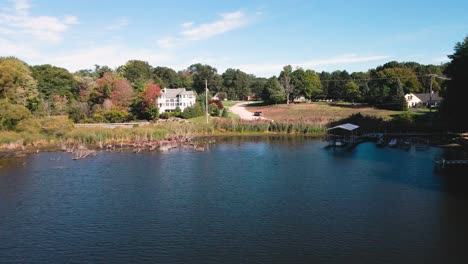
[{"x": 177, "y": 97}]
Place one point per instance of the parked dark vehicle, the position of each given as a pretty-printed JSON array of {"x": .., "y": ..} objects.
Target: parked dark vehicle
[{"x": 258, "y": 114}]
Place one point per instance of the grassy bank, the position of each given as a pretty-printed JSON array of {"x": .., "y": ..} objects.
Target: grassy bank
[{"x": 53, "y": 131}]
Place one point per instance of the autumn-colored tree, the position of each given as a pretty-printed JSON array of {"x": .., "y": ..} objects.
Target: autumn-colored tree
[
  {"x": 149, "y": 101},
  {"x": 122, "y": 94},
  {"x": 150, "y": 95},
  {"x": 216, "y": 102},
  {"x": 116, "y": 89}
]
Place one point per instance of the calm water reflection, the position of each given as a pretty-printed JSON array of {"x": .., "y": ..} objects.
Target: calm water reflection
[{"x": 277, "y": 200}]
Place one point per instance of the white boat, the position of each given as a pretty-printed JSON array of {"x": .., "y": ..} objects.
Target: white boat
[{"x": 393, "y": 143}]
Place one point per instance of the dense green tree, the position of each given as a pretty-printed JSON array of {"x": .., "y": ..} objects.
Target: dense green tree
[
  {"x": 402, "y": 77},
  {"x": 236, "y": 83},
  {"x": 257, "y": 86},
  {"x": 168, "y": 76},
  {"x": 324, "y": 80},
  {"x": 336, "y": 84},
  {"x": 307, "y": 83},
  {"x": 138, "y": 72},
  {"x": 185, "y": 80},
  {"x": 362, "y": 79},
  {"x": 352, "y": 92},
  {"x": 273, "y": 92},
  {"x": 200, "y": 73},
  {"x": 17, "y": 84},
  {"x": 53, "y": 80},
  {"x": 453, "y": 106}
]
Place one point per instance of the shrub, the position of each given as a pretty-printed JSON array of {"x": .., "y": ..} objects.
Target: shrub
[
  {"x": 78, "y": 111},
  {"x": 116, "y": 116},
  {"x": 11, "y": 114},
  {"x": 218, "y": 103},
  {"x": 166, "y": 115},
  {"x": 225, "y": 113},
  {"x": 56, "y": 125},
  {"x": 192, "y": 111}
]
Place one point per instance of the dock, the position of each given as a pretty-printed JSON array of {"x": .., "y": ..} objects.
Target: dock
[{"x": 444, "y": 163}]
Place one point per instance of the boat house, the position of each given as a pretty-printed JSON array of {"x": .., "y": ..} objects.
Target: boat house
[{"x": 342, "y": 135}]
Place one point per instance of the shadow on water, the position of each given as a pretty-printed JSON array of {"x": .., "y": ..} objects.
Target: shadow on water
[{"x": 412, "y": 168}]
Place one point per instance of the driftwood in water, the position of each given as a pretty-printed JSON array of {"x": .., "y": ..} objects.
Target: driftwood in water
[{"x": 83, "y": 152}]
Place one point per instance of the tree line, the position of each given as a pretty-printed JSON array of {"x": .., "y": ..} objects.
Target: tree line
[{"x": 130, "y": 91}]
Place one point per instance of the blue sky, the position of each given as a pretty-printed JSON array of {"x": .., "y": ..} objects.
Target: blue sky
[{"x": 258, "y": 37}]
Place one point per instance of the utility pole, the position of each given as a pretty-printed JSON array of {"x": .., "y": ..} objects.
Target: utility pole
[
  {"x": 206, "y": 100},
  {"x": 430, "y": 95}
]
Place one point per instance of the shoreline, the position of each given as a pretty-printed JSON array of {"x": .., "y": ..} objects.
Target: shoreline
[{"x": 198, "y": 143}]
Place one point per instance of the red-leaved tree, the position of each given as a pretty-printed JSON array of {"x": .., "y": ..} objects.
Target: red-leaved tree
[
  {"x": 149, "y": 102},
  {"x": 150, "y": 96},
  {"x": 122, "y": 93}
]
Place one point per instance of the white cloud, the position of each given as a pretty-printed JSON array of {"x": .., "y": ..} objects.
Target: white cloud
[
  {"x": 71, "y": 20},
  {"x": 17, "y": 19},
  {"x": 21, "y": 4},
  {"x": 270, "y": 69},
  {"x": 228, "y": 22},
  {"x": 123, "y": 22},
  {"x": 441, "y": 59},
  {"x": 191, "y": 32},
  {"x": 187, "y": 24}
]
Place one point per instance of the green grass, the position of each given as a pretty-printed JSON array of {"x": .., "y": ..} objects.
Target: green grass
[
  {"x": 232, "y": 115},
  {"x": 230, "y": 103},
  {"x": 200, "y": 119}
]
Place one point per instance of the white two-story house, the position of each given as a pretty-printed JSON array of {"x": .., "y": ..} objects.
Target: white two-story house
[{"x": 173, "y": 98}]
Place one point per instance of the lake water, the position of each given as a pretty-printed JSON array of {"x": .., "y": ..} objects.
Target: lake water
[{"x": 276, "y": 200}]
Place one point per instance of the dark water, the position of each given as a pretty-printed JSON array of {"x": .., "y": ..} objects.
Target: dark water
[{"x": 269, "y": 201}]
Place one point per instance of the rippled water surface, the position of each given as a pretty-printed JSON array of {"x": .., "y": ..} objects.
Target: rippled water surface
[{"x": 261, "y": 201}]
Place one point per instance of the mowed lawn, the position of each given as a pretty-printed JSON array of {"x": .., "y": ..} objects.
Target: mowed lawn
[{"x": 317, "y": 113}]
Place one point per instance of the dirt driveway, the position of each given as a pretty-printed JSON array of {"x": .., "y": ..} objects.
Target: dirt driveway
[{"x": 239, "y": 109}]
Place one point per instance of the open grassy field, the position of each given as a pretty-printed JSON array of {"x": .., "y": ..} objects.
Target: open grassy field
[{"x": 317, "y": 113}]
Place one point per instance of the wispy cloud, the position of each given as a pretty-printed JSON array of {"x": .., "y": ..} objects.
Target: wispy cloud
[
  {"x": 440, "y": 59},
  {"x": 269, "y": 69},
  {"x": 187, "y": 24},
  {"x": 123, "y": 22},
  {"x": 17, "y": 19},
  {"x": 228, "y": 22},
  {"x": 192, "y": 32}
]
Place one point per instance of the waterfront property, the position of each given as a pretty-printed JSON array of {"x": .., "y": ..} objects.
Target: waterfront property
[
  {"x": 177, "y": 97},
  {"x": 423, "y": 99}
]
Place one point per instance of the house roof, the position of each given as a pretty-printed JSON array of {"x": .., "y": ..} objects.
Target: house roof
[
  {"x": 347, "y": 126},
  {"x": 425, "y": 97},
  {"x": 172, "y": 93}
]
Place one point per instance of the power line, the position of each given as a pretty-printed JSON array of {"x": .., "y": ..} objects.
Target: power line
[{"x": 387, "y": 78}]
